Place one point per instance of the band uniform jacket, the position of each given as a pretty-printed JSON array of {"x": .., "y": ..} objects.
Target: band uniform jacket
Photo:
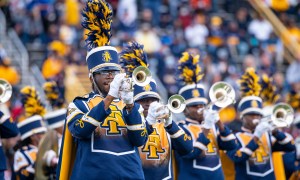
[
  {"x": 156, "y": 154},
  {"x": 99, "y": 143},
  {"x": 204, "y": 161},
  {"x": 254, "y": 161}
]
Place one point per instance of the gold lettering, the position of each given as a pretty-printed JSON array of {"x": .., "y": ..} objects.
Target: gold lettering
[{"x": 153, "y": 146}]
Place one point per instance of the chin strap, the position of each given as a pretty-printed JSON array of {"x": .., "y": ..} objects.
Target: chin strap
[{"x": 96, "y": 86}]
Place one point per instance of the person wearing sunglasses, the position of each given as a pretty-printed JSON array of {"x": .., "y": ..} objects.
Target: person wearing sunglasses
[{"x": 104, "y": 128}]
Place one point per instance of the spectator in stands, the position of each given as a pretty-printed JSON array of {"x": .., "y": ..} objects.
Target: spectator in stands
[
  {"x": 53, "y": 67},
  {"x": 147, "y": 36},
  {"x": 8, "y": 72},
  {"x": 197, "y": 32},
  {"x": 260, "y": 28}
]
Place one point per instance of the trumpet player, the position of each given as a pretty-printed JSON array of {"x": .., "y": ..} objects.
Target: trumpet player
[
  {"x": 252, "y": 158},
  {"x": 209, "y": 135},
  {"x": 103, "y": 128},
  {"x": 164, "y": 137}
]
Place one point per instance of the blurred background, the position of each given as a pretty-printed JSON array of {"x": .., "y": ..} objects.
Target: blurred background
[{"x": 42, "y": 40}]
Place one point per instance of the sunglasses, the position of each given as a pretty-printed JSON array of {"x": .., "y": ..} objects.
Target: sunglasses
[{"x": 107, "y": 72}]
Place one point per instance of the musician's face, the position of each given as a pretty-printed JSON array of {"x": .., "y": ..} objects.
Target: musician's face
[
  {"x": 35, "y": 138},
  {"x": 250, "y": 121},
  {"x": 191, "y": 112},
  {"x": 103, "y": 80},
  {"x": 145, "y": 103}
]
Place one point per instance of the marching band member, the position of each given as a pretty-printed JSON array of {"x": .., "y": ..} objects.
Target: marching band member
[
  {"x": 32, "y": 130},
  {"x": 49, "y": 147},
  {"x": 164, "y": 137},
  {"x": 8, "y": 129},
  {"x": 204, "y": 160},
  {"x": 106, "y": 131},
  {"x": 253, "y": 156}
]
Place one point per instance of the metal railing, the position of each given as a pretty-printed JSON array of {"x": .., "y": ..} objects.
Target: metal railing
[
  {"x": 24, "y": 58},
  {"x": 3, "y": 24}
]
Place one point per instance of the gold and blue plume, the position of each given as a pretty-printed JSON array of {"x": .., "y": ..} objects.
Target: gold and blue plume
[
  {"x": 249, "y": 83},
  {"x": 269, "y": 93},
  {"x": 189, "y": 69},
  {"x": 293, "y": 98},
  {"x": 97, "y": 19},
  {"x": 52, "y": 94},
  {"x": 133, "y": 56},
  {"x": 31, "y": 102}
]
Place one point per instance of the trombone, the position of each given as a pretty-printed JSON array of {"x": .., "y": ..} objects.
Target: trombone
[
  {"x": 176, "y": 104},
  {"x": 5, "y": 91},
  {"x": 221, "y": 94},
  {"x": 282, "y": 115}
]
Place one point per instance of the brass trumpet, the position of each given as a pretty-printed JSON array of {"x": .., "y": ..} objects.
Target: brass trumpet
[
  {"x": 282, "y": 115},
  {"x": 176, "y": 104},
  {"x": 5, "y": 91},
  {"x": 221, "y": 94},
  {"x": 141, "y": 76}
]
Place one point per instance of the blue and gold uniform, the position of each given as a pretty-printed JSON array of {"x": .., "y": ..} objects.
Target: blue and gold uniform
[
  {"x": 157, "y": 152},
  {"x": 99, "y": 143},
  {"x": 111, "y": 136},
  {"x": 254, "y": 160},
  {"x": 25, "y": 157},
  {"x": 254, "y": 156},
  {"x": 8, "y": 129},
  {"x": 204, "y": 161}
]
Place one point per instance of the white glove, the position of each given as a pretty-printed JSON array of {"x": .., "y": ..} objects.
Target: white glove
[
  {"x": 168, "y": 120},
  {"x": 126, "y": 91},
  {"x": 116, "y": 84},
  {"x": 127, "y": 96},
  {"x": 210, "y": 118},
  {"x": 261, "y": 128},
  {"x": 153, "y": 112}
]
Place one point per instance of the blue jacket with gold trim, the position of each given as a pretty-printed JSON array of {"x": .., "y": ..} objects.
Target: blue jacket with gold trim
[
  {"x": 8, "y": 129},
  {"x": 204, "y": 161},
  {"x": 104, "y": 141},
  {"x": 156, "y": 154},
  {"x": 254, "y": 161},
  {"x": 24, "y": 162}
]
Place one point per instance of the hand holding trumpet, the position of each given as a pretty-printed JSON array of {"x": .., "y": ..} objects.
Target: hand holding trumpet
[{"x": 158, "y": 111}]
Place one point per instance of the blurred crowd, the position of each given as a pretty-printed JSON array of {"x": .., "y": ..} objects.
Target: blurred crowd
[{"x": 229, "y": 36}]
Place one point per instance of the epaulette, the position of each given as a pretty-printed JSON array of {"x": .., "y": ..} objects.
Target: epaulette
[{"x": 86, "y": 96}]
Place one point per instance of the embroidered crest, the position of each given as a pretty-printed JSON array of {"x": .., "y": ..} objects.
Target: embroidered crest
[
  {"x": 106, "y": 56},
  {"x": 147, "y": 87},
  {"x": 254, "y": 103},
  {"x": 195, "y": 93}
]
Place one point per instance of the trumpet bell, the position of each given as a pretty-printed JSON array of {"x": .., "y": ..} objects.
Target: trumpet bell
[
  {"x": 141, "y": 76},
  {"x": 5, "y": 91},
  {"x": 222, "y": 94},
  {"x": 176, "y": 103},
  {"x": 282, "y": 115}
]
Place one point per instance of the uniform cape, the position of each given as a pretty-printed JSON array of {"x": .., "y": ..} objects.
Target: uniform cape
[{"x": 67, "y": 155}]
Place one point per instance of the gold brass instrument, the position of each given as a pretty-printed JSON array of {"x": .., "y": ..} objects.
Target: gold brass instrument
[
  {"x": 141, "y": 76},
  {"x": 5, "y": 91},
  {"x": 282, "y": 115},
  {"x": 221, "y": 94},
  {"x": 176, "y": 104}
]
